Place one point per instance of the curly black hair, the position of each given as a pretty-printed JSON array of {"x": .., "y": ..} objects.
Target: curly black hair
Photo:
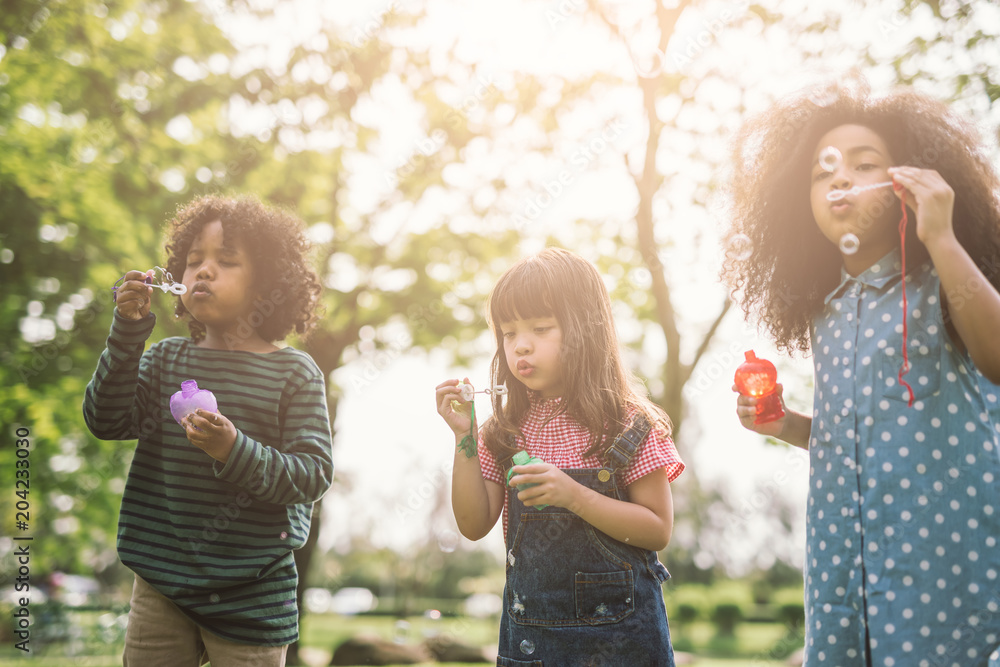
[
  {"x": 277, "y": 247},
  {"x": 792, "y": 266}
]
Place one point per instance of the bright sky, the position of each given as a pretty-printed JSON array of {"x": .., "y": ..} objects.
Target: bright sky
[{"x": 391, "y": 447}]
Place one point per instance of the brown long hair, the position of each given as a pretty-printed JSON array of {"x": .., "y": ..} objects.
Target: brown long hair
[
  {"x": 599, "y": 391},
  {"x": 793, "y": 266}
]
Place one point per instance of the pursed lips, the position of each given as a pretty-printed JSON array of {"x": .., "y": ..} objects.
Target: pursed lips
[{"x": 200, "y": 289}]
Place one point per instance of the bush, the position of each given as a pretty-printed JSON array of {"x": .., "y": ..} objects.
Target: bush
[
  {"x": 791, "y": 609},
  {"x": 686, "y": 604},
  {"x": 762, "y": 591},
  {"x": 731, "y": 603},
  {"x": 726, "y": 616}
]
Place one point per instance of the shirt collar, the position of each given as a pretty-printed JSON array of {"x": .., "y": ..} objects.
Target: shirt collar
[
  {"x": 537, "y": 401},
  {"x": 877, "y": 275}
]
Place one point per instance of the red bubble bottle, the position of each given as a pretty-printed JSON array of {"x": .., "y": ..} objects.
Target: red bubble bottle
[{"x": 757, "y": 378}]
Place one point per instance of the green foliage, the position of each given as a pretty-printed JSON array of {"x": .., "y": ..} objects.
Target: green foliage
[
  {"x": 726, "y": 615},
  {"x": 401, "y": 581},
  {"x": 113, "y": 115},
  {"x": 686, "y": 603}
]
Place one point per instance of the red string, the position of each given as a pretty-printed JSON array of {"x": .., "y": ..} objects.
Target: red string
[{"x": 902, "y": 244}]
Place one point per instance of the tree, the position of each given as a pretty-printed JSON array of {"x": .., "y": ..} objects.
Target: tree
[
  {"x": 112, "y": 117},
  {"x": 692, "y": 70}
]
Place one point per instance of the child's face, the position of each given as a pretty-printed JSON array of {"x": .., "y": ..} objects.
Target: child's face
[
  {"x": 532, "y": 348},
  {"x": 218, "y": 277},
  {"x": 871, "y": 214}
]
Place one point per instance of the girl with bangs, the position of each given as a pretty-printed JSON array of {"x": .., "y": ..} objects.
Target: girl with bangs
[{"x": 582, "y": 528}]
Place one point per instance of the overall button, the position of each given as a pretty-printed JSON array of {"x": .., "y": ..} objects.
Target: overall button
[{"x": 604, "y": 475}]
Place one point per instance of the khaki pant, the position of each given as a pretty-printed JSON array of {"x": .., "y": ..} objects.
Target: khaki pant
[{"x": 160, "y": 635}]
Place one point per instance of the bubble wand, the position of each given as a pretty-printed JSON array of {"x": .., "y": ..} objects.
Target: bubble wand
[
  {"x": 829, "y": 159},
  {"x": 468, "y": 445},
  {"x": 165, "y": 282}
]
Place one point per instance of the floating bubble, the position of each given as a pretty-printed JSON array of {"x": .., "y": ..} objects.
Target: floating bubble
[
  {"x": 740, "y": 247},
  {"x": 448, "y": 541},
  {"x": 849, "y": 243},
  {"x": 401, "y": 630},
  {"x": 830, "y": 158},
  {"x": 284, "y": 535},
  {"x": 648, "y": 62},
  {"x": 214, "y": 597},
  {"x": 527, "y": 647}
]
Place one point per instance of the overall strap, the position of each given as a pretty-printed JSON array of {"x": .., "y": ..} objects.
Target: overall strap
[{"x": 621, "y": 452}]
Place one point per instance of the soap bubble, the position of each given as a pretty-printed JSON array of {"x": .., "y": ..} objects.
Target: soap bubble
[
  {"x": 830, "y": 158},
  {"x": 401, "y": 630},
  {"x": 214, "y": 597},
  {"x": 849, "y": 243},
  {"x": 448, "y": 541},
  {"x": 527, "y": 647},
  {"x": 740, "y": 247},
  {"x": 648, "y": 62}
]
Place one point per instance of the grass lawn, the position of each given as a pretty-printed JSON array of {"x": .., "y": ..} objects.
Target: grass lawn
[
  {"x": 322, "y": 633},
  {"x": 115, "y": 661}
]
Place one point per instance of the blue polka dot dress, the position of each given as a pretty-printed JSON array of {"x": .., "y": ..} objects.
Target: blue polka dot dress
[{"x": 902, "y": 560}]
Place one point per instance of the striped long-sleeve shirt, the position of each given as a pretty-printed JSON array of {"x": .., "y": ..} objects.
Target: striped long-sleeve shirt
[{"x": 216, "y": 539}]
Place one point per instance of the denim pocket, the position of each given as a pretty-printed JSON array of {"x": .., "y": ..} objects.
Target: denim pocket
[
  {"x": 604, "y": 597},
  {"x": 560, "y": 574}
]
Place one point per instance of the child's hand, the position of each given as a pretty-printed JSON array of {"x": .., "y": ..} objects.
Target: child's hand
[
  {"x": 210, "y": 432},
  {"x": 132, "y": 297},
  {"x": 746, "y": 410},
  {"x": 554, "y": 486},
  {"x": 930, "y": 197},
  {"x": 460, "y": 418}
]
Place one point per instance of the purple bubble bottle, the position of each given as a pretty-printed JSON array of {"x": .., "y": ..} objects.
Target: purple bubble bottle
[{"x": 190, "y": 398}]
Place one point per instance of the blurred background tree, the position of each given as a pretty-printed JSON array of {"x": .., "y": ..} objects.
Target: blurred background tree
[{"x": 422, "y": 173}]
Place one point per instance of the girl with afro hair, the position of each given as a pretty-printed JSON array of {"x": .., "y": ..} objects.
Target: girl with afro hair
[{"x": 875, "y": 235}]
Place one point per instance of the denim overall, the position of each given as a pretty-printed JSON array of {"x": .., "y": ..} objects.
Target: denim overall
[{"x": 574, "y": 595}]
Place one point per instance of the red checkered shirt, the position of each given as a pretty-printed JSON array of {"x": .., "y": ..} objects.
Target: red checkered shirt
[{"x": 562, "y": 442}]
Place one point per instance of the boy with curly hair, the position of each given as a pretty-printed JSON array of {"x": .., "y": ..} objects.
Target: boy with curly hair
[{"x": 214, "y": 506}]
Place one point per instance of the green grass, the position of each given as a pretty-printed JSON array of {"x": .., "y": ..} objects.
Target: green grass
[
  {"x": 752, "y": 639},
  {"x": 115, "y": 661},
  {"x": 322, "y": 633}
]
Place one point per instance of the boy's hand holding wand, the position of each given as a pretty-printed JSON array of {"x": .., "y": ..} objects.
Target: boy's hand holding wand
[{"x": 132, "y": 296}]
